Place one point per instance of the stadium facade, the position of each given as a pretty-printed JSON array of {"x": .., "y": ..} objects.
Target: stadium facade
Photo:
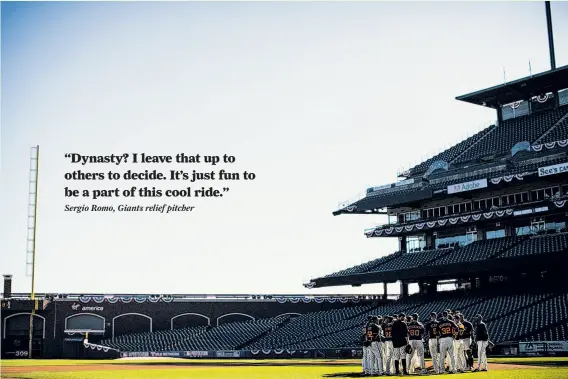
[{"x": 489, "y": 214}]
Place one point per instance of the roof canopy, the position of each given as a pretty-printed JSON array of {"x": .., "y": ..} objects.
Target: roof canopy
[{"x": 520, "y": 89}]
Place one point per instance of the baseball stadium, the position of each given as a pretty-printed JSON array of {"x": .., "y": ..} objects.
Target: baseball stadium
[{"x": 482, "y": 232}]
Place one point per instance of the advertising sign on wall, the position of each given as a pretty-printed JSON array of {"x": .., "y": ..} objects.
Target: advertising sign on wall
[
  {"x": 228, "y": 354},
  {"x": 553, "y": 170},
  {"x": 540, "y": 347},
  {"x": 467, "y": 186}
]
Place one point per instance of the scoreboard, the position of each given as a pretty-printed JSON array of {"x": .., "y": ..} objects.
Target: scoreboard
[{"x": 20, "y": 305}]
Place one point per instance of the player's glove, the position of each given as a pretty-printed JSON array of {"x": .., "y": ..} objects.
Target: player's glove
[{"x": 408, "y": 349}]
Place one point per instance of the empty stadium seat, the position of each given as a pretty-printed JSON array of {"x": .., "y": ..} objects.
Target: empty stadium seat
[
  {"x": 503, "y": 137},
  {"x": 476, "y": 251},
  {"x": 543, "y": 244}
]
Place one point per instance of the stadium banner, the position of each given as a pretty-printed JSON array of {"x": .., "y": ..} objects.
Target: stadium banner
[
  {"x": 166, "y": 354},
  {"x": 134, "y": 354},
  {"x": 195, "y": 354},
  {"x": 539, "y": 347},
  {"x": 228, "y": 354},
  {"x": 553, "y": 170},
  {"x": 467, "y": 186}
]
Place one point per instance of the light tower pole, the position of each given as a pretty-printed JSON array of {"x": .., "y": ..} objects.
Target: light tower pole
[{"x": 31, "y": 238}]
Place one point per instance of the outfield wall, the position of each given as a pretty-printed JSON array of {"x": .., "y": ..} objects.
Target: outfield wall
[{"x": 54, "y": 325}]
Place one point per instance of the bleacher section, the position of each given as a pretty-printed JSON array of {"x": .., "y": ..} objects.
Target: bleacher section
[
  {"x": 498, "y": 140},
  {"x": 231, "y": 336},
  {"x": 365, "y": 267},
  {"x": 506, "y": 247},
  {"x": 531, "y": 319},
  {"x": 509, "y": 317},
  {"x": 557, "y": 333},
  {"x": 558, "y": 133},
  {"x": 309, "y": 326},
  {"x": 543, "y": 244},
  {"x": 505, "y": 136},
  {"x": 451, "y": 153},
  {"x": 156, "y": 341},
  {"x": 477, "y": 251},
  {"x": 411, "y": 260}
]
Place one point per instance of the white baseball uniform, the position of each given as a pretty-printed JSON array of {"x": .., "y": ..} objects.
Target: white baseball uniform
[
  {"x": 482, "y": 355},
  {"x": 417, "y": 354},
  {"x": 376, "y": 358},
  {"x": 365, "y": 359},
  {"x": 447, "y": 347},
  {"x": 389, "y": 352},
  {"x": 433, "y": 347}
]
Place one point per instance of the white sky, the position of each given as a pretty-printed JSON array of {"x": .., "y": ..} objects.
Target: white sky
[{"x": 320, "y": 100}]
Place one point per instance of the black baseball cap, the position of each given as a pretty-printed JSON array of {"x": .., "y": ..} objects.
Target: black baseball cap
[{"x": 433, "y": 314}]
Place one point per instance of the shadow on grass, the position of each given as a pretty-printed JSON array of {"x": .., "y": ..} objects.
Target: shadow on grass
[
  {"x": 345, "y": 375},
  {"x": 544, "y": 363}
]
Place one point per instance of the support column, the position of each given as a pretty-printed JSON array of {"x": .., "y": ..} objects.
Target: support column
[
  {"x": 402, "y": 243},
  {"x": 509, "y": 230},
  {"x": 385, "y": 293},
  {"x": 430, "y": 241},
  {"x": 481, "y": 233},
  {"x": 403, "y": 289}
]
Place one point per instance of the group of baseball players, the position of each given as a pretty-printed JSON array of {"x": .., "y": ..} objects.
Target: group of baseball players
[{"x": 390, "y": 342}]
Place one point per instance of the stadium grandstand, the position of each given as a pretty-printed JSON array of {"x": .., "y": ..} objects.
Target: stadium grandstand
[{"x": 487, "y": 215}]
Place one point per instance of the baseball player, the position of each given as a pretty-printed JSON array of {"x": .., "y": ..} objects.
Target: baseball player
[
  {"x": 416, "y": 337},
  {"x": 374, "y": 334},
  {"x": 443, "y": 362},
  {"x": 448, "y": 329},
  {"x": 366, "y": 345},
  {"x": 410, "y": 362},
  {"x": 458, "y": 351},
  {"x": 482, "y": 339},
  {"x": 388, "y": 346},
  {"x": 399, "y": 342},
  {"x": 432, "y": 331},
  {"x": 466, "y": 342}
]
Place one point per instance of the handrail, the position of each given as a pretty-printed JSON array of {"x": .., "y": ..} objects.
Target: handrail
[{"x": 447, "y": 217}]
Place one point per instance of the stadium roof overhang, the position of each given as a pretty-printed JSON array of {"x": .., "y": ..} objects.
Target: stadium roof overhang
[
  {"x": 520, "y": 89},
  {"x": 459, "y": 270}
]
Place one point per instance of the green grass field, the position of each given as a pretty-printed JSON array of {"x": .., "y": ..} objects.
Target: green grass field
[{"x": 500, "y": 368}]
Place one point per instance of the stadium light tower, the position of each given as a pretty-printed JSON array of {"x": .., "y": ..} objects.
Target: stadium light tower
[
  {"x": 31, "y": 238},
  {"x": 550, "y": 35}
]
